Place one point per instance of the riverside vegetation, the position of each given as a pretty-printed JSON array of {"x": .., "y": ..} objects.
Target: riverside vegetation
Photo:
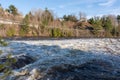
[
  {"x": 4, "y": 66},
  {"x": 10, "y": 62},
  {"x": 44, "y": 23}
]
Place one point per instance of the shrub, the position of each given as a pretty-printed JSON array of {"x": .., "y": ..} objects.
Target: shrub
[
  {"x": 56, "y": 32},
  {"x": 10, "y": 32}
]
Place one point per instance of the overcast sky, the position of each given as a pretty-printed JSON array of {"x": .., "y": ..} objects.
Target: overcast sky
[{"x": 61, "y": 7}]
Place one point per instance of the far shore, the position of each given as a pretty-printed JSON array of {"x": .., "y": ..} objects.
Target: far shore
[{"x": 59, "y": 38}]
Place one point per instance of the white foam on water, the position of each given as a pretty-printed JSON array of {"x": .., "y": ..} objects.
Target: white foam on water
[{"x": 70, "y": 51}]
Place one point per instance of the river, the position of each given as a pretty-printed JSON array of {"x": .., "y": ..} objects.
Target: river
[{"x": 53, "y": 52}]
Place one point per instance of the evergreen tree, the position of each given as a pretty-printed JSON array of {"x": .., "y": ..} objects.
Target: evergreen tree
[
  {"x": 13, "y": 10},
  {"x": 97, "y": 25},
  {"x": 70, "y": 18},
  {"x": 24, "y": 29},
  {"x": 108, "y": 25},
  {"x": 118, "y": 28},
  {"x": 47, "y": 17}
]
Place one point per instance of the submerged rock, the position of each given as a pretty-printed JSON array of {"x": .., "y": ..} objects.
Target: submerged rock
[
  {"x": 22, "y": 61},
  {"x": 92, "y": 70},
  {"x": 16, "y": 62}
]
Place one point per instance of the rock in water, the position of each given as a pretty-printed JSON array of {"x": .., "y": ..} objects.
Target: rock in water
[
  {"x": 92, "y": 70},
  {"x": 22, "y": 73},
  {"x": 20, "y": 61},
  {"x": 35, "y": 75}
]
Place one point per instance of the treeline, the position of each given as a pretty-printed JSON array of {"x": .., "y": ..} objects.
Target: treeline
[
  {"x": 45, "y": 23},
  {"x": 109, "y": 24}
]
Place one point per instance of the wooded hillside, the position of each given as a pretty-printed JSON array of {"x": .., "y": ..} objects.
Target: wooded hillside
[{"x": 44, "y": 23}]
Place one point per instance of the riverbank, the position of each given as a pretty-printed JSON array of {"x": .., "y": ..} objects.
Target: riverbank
[{"x": 52, "y": 38}]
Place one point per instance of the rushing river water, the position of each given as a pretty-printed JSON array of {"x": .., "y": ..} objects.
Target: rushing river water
[{"x": 49, "y": 53}]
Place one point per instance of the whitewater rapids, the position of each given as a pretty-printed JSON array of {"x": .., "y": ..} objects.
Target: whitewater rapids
[{"x": 69, "y": 51}]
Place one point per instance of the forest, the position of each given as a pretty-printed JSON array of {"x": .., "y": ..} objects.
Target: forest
[{"x": 44, "y": 23}]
